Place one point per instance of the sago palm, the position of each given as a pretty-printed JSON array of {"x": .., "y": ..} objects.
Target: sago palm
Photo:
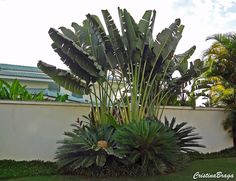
[
  {"x": 86, "y": 146},
  {"x": 150, "y": 145}
]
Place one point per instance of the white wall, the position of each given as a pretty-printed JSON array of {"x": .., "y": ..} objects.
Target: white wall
[
  {"x": 208, "y": 123},
  {"x": 30, "y": 130}
]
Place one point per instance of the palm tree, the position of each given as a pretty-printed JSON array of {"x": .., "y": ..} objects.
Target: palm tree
[
  {"x": 221, "y": 75},
  {"x": 223, "y": 55}
]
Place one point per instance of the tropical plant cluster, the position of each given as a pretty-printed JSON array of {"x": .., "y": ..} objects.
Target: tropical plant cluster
[
  {"x": 129, "y": 78},
  {"x": 140, "y": 66},
  {"x": 16, "y": 91},
  {"x": 218, "y": 83}
]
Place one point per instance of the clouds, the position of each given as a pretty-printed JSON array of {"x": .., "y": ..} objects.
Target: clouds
[
  {"x": 24, "y": 24},
  {"x": 204, "y": 18},
  {"x": 211, "y": 13}
]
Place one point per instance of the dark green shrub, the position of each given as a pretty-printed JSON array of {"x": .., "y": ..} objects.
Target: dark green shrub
[
  {"x": 186, "y": 138},
  {"x": 150, "y": 145}
]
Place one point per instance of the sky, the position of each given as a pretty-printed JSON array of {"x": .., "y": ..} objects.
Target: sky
[{"x": 24, "y": 24}]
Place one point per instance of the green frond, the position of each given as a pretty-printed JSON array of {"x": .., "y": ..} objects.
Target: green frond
[
  {"x": 80, "y": 148},
  {"x": 74, "y": 66},
  {"x": 70, "y": 34},
  {"x": 82, "y": 32},
  {"x": 64, "y": 78},
  {"x": 129, "y": 30},
  {"x": 181, "y": 60},
  {"x": 116, "y": 40},
  {"x": 186, "y": 138},
  {"x": 104, "y": 40},
  {"x": 76, "y": 53},
  {"x": 145, "y": 141},
  {"x": 167, "y": 40}
]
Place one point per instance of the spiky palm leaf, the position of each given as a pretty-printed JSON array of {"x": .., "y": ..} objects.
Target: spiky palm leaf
[{"x": 186, "y": 138}]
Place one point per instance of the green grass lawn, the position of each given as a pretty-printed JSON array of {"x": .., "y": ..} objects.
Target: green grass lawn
[{"x": 225, "y": 165}]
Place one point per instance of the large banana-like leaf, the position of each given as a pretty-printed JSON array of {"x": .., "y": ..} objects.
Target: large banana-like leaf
[
  {"x": 70, "y": 34},
  {"x": 83, "y": 36},
  {"x": 150, "y": 29},
  {"x": 129, "y": 30},
  {"x": 167, "y": 40},
  {"x": 104, "y": 40},
  {"x": 162, "y": 39},
  {"x": 97, "y": 48},
  {"x": 64, "y": 78},
  {"x": 143, "y": 24},
  {"x": 181, "y": 60},
  {"x": 90, "y": 42},
  {"x": 121, "y": 17},
  {"x": 145, "y": 27},
  {"x": 116, "y": 40},
  {"x": 76, "y": 53},
  {"x": 90, "y": 52},
  {"x": 74, "y": 67},
  {"x": 195, "y": 70}
]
